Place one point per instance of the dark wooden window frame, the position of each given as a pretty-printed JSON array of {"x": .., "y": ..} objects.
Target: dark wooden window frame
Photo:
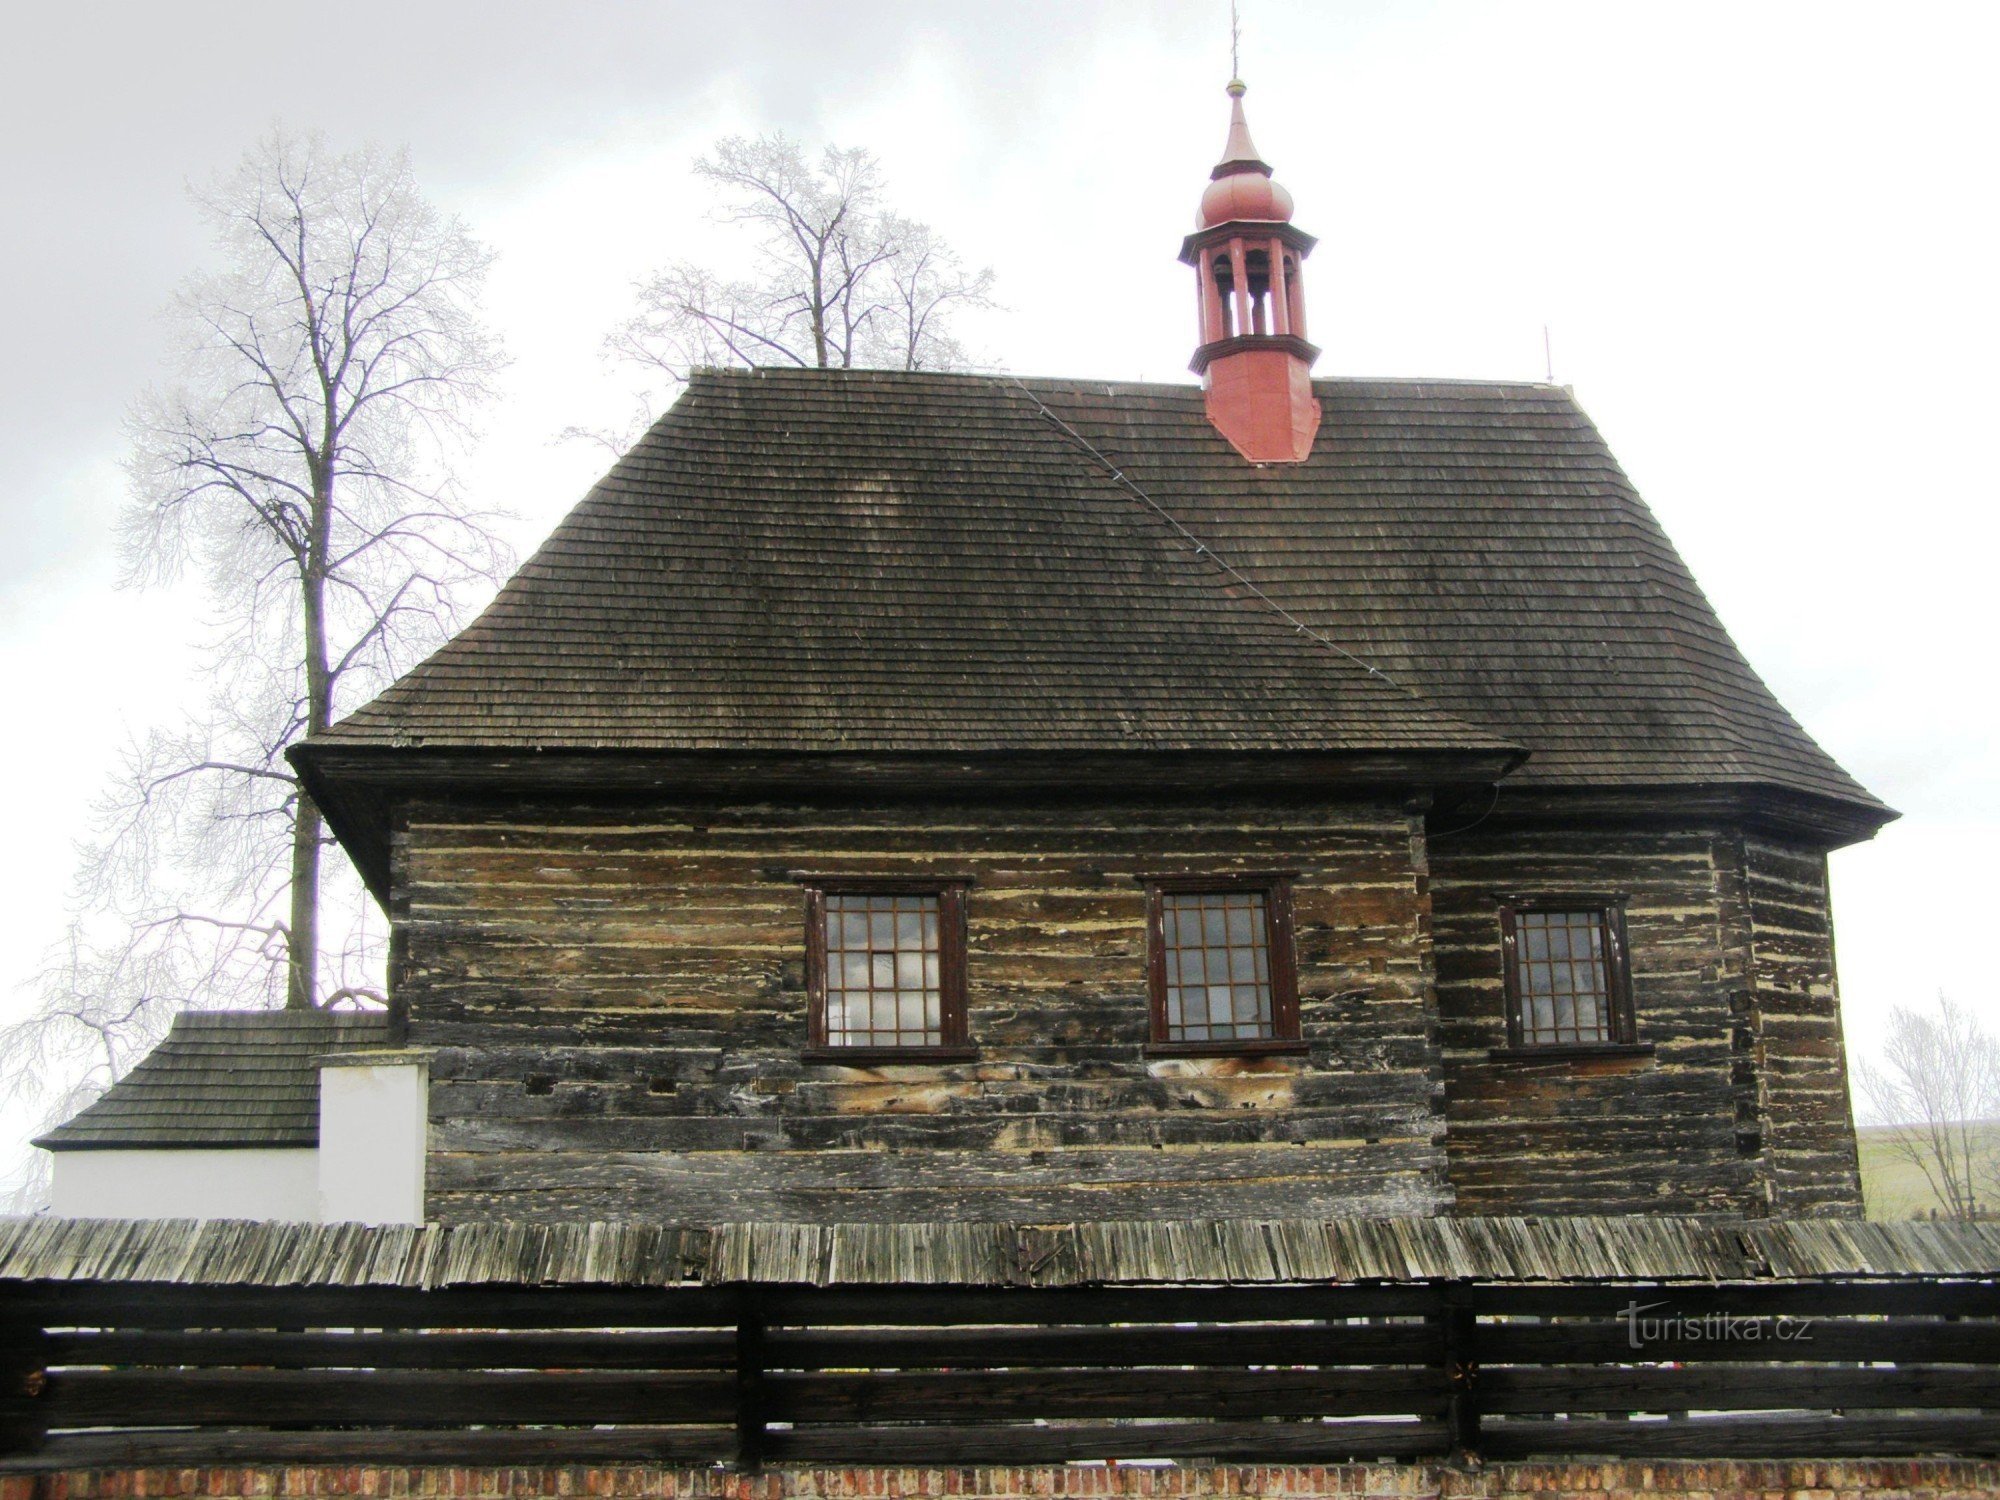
[
  {"x": 1610, "y": 909},
  {"x": 950, "y": 892},
  {"x": 1276, "y": 888}
]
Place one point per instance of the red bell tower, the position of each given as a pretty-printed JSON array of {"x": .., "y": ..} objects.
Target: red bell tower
[{"x": 1254, "y": 361}]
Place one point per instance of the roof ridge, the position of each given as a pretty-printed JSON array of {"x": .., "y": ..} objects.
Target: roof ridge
[
  {"x": 1229, "y": 572},
  {"x": 1074, "y": 382}
]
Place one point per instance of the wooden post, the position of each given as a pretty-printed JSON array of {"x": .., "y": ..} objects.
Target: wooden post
[
  {"x": 749, "y": 1387},
  {"x": 24, "y": 1379},
  {"x": 1461, "y": 1362}
]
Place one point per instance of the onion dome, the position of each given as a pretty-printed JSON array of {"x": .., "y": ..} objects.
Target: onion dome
[{"x": 1241, "y": 185}]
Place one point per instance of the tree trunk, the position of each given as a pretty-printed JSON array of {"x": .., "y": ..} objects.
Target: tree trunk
[
  {"x": 302, "y": 979},
  {"x": 302, "y": 942}
]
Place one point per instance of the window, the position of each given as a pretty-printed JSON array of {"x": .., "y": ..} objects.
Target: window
[
  {"x": 1566, "y": 976},
  {"x": 885, "y": 966},
  {"x": 1221, "y": 966}
]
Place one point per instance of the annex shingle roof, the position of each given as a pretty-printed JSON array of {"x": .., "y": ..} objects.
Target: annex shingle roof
[
  {"x": 819, "y": 560},
  {"x": 222, "y": 1079}
]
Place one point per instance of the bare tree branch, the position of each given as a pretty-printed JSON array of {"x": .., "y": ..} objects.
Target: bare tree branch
[
  {"x": 834, "y": 281},
  {"x": 299, "y": 462},
  {"x": 1938, "y": 1079}
]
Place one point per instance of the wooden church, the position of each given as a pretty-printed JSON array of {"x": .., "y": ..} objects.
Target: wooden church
[{"x": 895, "y": 797}]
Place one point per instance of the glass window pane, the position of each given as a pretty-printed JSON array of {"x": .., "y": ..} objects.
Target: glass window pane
[
  {"x": 1561, "y": 977},
  {"x": 882, "y": 971},
  {"x": 1218, "y": 966}
]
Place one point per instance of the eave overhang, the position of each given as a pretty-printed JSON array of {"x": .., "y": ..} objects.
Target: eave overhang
[
  {"x": 1290, "y": 343},
  {"x": 1260, "y": 229},
  {"x": 362, "y": 789},
  {"x": 1755, "y": 807}
]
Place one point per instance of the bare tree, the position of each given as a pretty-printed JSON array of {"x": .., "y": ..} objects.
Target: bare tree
[
  {"x": 834, "y": 280},
  {"x": 298, "y": 468},
  {"x": 1938, "y": 1080}
]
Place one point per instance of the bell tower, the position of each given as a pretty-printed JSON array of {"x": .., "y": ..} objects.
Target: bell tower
[{"x": 1253, "y": 360}]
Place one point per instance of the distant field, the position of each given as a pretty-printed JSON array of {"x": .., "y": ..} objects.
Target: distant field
[{"x": 1892, "y": 1186}]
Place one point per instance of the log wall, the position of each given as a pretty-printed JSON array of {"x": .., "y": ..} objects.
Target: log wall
[
  {"x": 1793, "y": 1061},
  {"x": 619, "y": 1007},
  {"x": 619, "y": 1003},
  {"x": 1741, "y": 1106}
]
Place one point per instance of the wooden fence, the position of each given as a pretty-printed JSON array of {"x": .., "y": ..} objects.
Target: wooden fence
[{"x": 110, "y": 1372}]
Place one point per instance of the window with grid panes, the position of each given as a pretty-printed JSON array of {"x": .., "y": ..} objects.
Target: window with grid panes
[
  {"x": 1566, "y": 976},
  {"x": 886, "y": 968},
  {"x": 1221, "y": 965}
]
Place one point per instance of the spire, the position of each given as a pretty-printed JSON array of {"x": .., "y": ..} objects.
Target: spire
[
  {"x": 1239, "y": 153},
  {"x": 1254, "y": 361},
  {"x": 1241, "y": 186}
]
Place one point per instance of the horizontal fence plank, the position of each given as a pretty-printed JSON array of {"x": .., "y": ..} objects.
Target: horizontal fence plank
[
  {"x": 1053, "y": 1347},
  {"x": 847, "y": 1307},
  {"x": 1743, "y": 1437},
  {"x": 672, "y": 1349},
  {"x": 1064, "y": 1442},
  {"x": 548, "y": 1445},
  {"x": 1910, "y": 1298},
  {"x": 1593, "y": 1388},
  {"x": 1759, "y": 1339},
  {"x": 171, "y": 1306},
  {"x": 387, "y": 1398},
  {"x": 1072, "y": 1395}
]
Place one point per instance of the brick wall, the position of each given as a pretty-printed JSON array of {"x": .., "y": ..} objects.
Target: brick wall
[{"x": 1798, "y": 1480}]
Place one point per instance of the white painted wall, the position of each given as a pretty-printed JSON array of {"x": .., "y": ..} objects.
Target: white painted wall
[
  {"x": 373, "y": 1130},
  {"x": 251, "y": 1183}
]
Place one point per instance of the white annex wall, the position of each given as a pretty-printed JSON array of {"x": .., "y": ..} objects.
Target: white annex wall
[
  {"x": 251, "y": 1183},
  {"x": 373, "y": 1124},
  {"x": 369, "y": 1167}
]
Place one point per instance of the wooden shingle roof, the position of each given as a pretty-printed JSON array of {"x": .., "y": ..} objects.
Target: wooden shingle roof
[
  {"x": 873, "y": 561},
  {"x": 222, "y": 1079}
]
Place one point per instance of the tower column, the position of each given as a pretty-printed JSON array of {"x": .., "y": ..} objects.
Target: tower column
[
  {"x": 1214, "y": 323},
  {"x": 1240, "y": 269},
  {"x": 1281, "y": 311}
]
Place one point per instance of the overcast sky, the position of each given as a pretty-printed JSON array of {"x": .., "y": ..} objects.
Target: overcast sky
[{"x": 1762, "y": 236}]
